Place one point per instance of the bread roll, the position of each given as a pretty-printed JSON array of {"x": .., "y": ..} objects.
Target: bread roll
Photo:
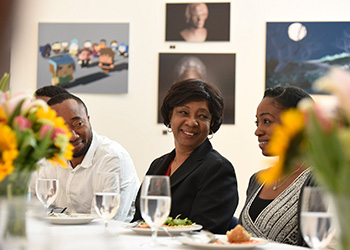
[{"x": 238, "y": 234}]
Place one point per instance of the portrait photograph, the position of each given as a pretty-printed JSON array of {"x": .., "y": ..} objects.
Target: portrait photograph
[
  {"x": 197, "y": 22},
  {"x": 217, "y": 69},
  {"x": 84, "y": 57},
  {"x": 298, "y": 53}
]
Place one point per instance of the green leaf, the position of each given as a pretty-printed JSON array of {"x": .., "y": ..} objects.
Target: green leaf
[
  {"x": 4, "y": 82},
  {"x": 327, "y": 155},
  {"x": 16, "y": 112}
]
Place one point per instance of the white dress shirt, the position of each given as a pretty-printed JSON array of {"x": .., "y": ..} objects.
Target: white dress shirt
[{"x": 76, "y": 185}]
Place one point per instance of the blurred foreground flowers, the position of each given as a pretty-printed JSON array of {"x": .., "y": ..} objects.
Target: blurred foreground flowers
[{"x": 29, "y": 132}]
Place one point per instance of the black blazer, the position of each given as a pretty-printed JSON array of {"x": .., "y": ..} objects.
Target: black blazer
[{"x": 203, "y": 188}]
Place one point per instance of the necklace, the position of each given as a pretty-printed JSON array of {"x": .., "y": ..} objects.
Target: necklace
[{"x": 275, "y": 187}]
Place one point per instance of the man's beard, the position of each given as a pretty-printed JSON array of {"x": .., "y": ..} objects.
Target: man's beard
[{"x": 83, "y": 150}]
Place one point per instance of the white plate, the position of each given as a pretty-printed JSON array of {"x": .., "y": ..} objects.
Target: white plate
[
  {"x": 172, "y": 231},
  {"x": 187, "y": 241},
  {"x": 74, "y": 219}
]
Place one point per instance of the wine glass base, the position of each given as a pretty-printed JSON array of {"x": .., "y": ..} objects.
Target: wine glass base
[
  {"x": 151, "y": 244},
  {"x": 110, "y": 234}
]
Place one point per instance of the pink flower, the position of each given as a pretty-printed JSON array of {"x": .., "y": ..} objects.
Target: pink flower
[
  {"x": 323, "y": 118},
  {"x": 9, "y": 103},
  {"x": 337, "y": 82},
  {"x": 23, "y": 122},
  {"x": 56, "y": 132},
  {"x": 46, "y": 128}
]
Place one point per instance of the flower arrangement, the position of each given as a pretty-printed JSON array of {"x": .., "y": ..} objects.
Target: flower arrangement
[
  {"x": 318, "y": 133},
  {"x": 29, "y": 132}
]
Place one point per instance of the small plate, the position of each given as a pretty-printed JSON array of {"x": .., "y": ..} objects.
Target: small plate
[
  {"x": 73, "y": 219},
  {"x": 171, "y": 230},
  {"x": 226, "y": 245}
]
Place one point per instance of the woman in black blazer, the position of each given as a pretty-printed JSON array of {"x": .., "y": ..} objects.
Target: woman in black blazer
[{"x": 203, "y": 183}]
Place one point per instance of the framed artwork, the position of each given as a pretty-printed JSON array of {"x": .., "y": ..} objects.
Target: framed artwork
[
  {"x": 297, "y": 53},
  {"x": 84, "y": 57},
  {"x": 218, "y": 69},
  {"x": 197, "y": 22}
]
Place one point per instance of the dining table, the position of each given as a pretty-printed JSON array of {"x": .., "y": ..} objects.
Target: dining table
[{"x": 43, "y": 234}]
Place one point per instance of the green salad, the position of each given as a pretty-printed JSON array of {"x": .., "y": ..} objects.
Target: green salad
[{"x": 178, "y": 222}]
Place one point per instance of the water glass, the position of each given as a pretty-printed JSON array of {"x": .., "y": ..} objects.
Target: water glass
[
  {"x": 317, "y": 224},
  {"x": 107, "y": 196},
  {"x": 155, "y": 202},
  {"x": 46, "y": 191}
]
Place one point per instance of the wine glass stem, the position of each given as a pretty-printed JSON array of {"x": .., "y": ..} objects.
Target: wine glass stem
[
  {"x": 47, "y": 209},
  {"x": 154, "y": 236},
  {"x": 106, "y": 227}
]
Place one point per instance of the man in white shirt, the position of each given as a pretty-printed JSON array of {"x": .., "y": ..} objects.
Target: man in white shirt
[{"x": 92, "y": 153}]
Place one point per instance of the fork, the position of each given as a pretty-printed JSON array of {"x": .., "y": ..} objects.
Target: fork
[
  {"x": 201, "y": 237},
  {"x": 165, "y": 229}
]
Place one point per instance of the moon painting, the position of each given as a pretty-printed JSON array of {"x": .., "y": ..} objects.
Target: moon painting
[
  {"x": 297, "y": 31},
  {"x": 298, "y": 53}
]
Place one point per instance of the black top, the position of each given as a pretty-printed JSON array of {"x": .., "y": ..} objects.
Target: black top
[
  {"x": 203, "y": 188},
  {"x": 257, "y": 206}
]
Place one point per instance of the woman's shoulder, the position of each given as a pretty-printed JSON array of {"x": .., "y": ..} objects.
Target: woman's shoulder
[{"x": 215, "y": 156}]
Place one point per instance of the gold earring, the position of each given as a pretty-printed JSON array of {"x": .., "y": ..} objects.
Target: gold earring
[{"x": 211, "y": 134}]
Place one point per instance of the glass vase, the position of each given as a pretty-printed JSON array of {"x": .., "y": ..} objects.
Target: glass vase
[
  {"x": 13, "y": 206},
  {"x": 342, "y": 206}
]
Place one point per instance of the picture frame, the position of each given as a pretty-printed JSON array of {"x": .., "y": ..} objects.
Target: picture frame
[
  {"x": 215, "y": 68},
  {"x": 214, "y": 18},
  {"x": 298, "y": 53},
  {"x": 102, "y": 69}
]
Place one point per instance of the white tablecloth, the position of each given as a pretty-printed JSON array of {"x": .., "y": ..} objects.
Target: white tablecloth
[{"x": 42, "y": 235}]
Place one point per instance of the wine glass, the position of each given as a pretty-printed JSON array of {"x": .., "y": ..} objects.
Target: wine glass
[
  {"x": 107, "y": 196},
  {"x": 317, "y": 225},
  {"x": 155, "y": 202},
  {"x": 46, "y": 191}
]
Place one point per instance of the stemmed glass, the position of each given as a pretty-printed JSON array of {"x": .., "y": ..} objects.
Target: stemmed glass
[
  {"x": 46, "y": 191},
  {"x": 107, "y": 196},
  {"x": 317, "y": 224},
  {"x": 155, "y": 202}
]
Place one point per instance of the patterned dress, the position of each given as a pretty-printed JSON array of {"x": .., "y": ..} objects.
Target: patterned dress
[{"x": 278, "y": 221}]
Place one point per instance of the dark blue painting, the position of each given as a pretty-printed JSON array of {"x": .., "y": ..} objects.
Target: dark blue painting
[{"x": 297, "y": 53}]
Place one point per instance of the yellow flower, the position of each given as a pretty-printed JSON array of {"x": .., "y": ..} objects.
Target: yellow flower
[
  {"x": 57, "y": 160},
  {"x": 284, "y": 143},
  {"x": 3, "y": 118},
  {"x": 8, "y": 150},
  {"x": 69, "y": 152},
  {"x": 49, "y": 116},
  {"x": 271, "y": 174}
]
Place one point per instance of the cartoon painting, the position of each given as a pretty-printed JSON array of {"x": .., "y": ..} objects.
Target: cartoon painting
[
  {"x": 62, "y": 69},
  {"x": 84, "y": 57},
  {"x": 297, "y": 53},
  {"x": 218, "y": 69}
]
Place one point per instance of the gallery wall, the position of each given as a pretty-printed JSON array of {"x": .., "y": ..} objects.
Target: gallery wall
[{"x": 131, "y": 119}]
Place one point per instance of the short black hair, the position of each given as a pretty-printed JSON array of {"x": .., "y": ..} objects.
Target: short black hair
[
  {"x": 50, "y": 91},
  {"x": 65, "y": 96},
  {"x": 190, "y": 90},
  {"x": 286, "y": 97}
]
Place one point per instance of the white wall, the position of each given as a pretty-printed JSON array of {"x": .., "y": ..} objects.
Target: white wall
[{"x": 131, "y": 119}]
